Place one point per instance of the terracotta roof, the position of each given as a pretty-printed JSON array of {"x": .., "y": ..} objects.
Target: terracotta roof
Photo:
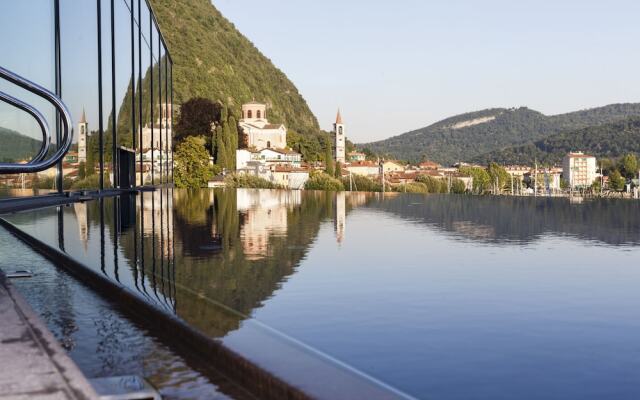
[
  {"x": 363, "y": 164},
  {"x": 272, "y": 126},
  {"x": 338, "y": 118}
]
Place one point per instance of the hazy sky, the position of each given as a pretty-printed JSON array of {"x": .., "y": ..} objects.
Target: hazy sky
[{"x": 394, "y": 66}]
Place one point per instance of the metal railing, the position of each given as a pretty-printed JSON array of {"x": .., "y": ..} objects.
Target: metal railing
[{"x": 39, "y": 162}]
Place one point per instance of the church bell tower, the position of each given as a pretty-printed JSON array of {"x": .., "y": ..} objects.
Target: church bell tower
[
  {"x": 83, "y": 130},
  {"x": 340, "y": 144}
]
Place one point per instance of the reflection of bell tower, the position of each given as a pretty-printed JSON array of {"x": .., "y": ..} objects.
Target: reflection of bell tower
[
  {"x": 341, "y": 216},
  {"x": 338, "y": 128},
  {"x": 83, "y": 130}
]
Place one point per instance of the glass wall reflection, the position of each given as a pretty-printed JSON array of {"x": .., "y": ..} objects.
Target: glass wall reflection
[
  {"x": 29, "y": 25},
  {"x": 104, "y": 75}
]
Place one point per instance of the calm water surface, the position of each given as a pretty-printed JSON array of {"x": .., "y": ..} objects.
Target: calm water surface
[{"x": 443, "y": 297}]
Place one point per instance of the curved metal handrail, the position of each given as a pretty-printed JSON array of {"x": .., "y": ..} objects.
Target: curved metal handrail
[
  {"x": 37, "y": 165},
  {"x": 40, "y": 119}
]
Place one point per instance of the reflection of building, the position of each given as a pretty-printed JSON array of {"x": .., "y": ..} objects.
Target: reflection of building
[
  {"x": 265, "y": 215},
  {"x": 83, "y": 131},
  {"x": 156, "y": 222},
  {"x": 80, "y": 210},
  {"x": 341, "y": 216},
  {"x": 579, "y": 169},
  {"x": 341, "y": 141}
]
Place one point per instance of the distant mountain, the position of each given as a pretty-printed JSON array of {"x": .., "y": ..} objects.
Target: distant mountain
[
  {"x": 608, "y": 140},
  {"x": 213, "y": 59},
  {"x": 468, "y": 136},
  {"x": 17, "y": 146}
]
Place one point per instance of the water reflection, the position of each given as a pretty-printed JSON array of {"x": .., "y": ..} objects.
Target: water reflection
[
  {"x": 236, "y": 248},
  {"x": 334, "y": 269}
]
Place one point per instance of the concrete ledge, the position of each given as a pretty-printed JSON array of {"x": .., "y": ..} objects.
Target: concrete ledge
[{"x": 34, "y": 366}]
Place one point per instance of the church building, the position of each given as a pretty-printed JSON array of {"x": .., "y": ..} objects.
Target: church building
[{"x": 260, "y": 133}]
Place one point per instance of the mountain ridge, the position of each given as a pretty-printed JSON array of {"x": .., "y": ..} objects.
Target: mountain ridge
[
  {"x": 213, "y": 59},
  {"x": 445, "y": 143}
]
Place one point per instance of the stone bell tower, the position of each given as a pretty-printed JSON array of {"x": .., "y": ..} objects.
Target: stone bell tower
[
  {"x": 83, "y": 131},
  {"x": 341, "y": 139}
]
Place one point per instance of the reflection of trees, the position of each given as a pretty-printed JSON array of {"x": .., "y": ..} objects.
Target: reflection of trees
[
  {"x": 229, "y": 277},
  {"x": 497, "y": 219}
]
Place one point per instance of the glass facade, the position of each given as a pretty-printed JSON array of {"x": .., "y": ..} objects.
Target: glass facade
[{"x": 108, "y": 62}]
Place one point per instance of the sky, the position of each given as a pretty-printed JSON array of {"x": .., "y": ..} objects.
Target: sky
[{"x": 395, "y": 66}]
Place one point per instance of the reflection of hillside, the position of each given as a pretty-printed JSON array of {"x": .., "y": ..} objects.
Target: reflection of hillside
[
  {"x": 500, "y": 219},
  {"x": 234, "y": 277}
]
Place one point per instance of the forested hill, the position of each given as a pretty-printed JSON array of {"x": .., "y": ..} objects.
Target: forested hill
[
  {"x": 16, "y": 146},
  {"x": 214, "y": 60},
  {"x": 468, "y": 136},
  {"x": 608, "y": 140}
]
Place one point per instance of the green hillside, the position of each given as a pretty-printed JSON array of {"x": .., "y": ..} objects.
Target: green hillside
[
  {"x": 609, "y": 140},
  {"x": 468, "y": 136},
  {"x": 16, "y": 146},
  {"x": 213, "y": 60}
]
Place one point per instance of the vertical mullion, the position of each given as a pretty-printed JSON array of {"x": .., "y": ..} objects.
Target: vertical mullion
[
  {"x": 151, "y": 96},
  {"x": 58, "y": 88},
  {"x": 160, "y": 103},
  {"x": 133, "y": 93},
  {"x": 166, "y": 113},
  {"x": 114, "y": 131},
  {"x": 100, "y": 112},
  {"x": 140, "y": 91},
  {"x": 172, "y": 155}
]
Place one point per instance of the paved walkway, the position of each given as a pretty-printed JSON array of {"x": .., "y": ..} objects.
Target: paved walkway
[{"x": 32, "y": 363}]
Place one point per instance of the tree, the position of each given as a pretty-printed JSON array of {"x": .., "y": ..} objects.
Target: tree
[
  {"x": 481, "y": 178},
  {"x": 616, "y": 181},
  {"x": 197, "y": 116},
  {"x": 221, "y": 152},
  {"x": 191, "y": 169},
  {"x": 328, "y": 159},
  {"x": 458, "y": 186},
  {"x": 434, "y": 185},
  {"x": 231, "y": 141},
  {"x": 339, "y": 170},
  {"x": 630, "y": 166},
  {"x": 82, "y": 170},
  {"x": 498, "y": 175},
  {"x": 322, "y": 181}
]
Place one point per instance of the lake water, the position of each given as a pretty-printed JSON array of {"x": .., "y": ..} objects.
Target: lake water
[{"x": 439, "y": 297}]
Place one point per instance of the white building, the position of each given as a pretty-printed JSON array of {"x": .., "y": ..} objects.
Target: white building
[
  {"x": 260, "y": 133},
  {"x": 340, "y": 144},
  {"x": 579, "y": 169}
]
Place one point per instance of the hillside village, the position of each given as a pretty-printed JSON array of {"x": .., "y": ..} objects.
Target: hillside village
[{"x": 268, "y": 156}]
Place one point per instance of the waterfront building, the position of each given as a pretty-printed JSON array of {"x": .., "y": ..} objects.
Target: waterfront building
[
  {"x": 340, "y": 139},
  {"x": 579, "y": 169},
  {"x": 429, "y": 165},
  {"x": 355, "y": 156},
  {"x": 364, "y": 168},
  {"x": 392, "y": 166}
]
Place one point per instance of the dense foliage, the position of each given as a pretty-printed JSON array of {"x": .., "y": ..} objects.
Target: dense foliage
[
  {"x": 607, "y": 140},
  {"x": 213, "y": 60},
  {"x": 469, "y": 136},
  {"x": 323, "y": 181},
  {"x": 359, "y": 183},
  {"x": 249, "y": 181},
  {"x": 16, "y": 146},
  {"x": 192, "y": 169}
]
